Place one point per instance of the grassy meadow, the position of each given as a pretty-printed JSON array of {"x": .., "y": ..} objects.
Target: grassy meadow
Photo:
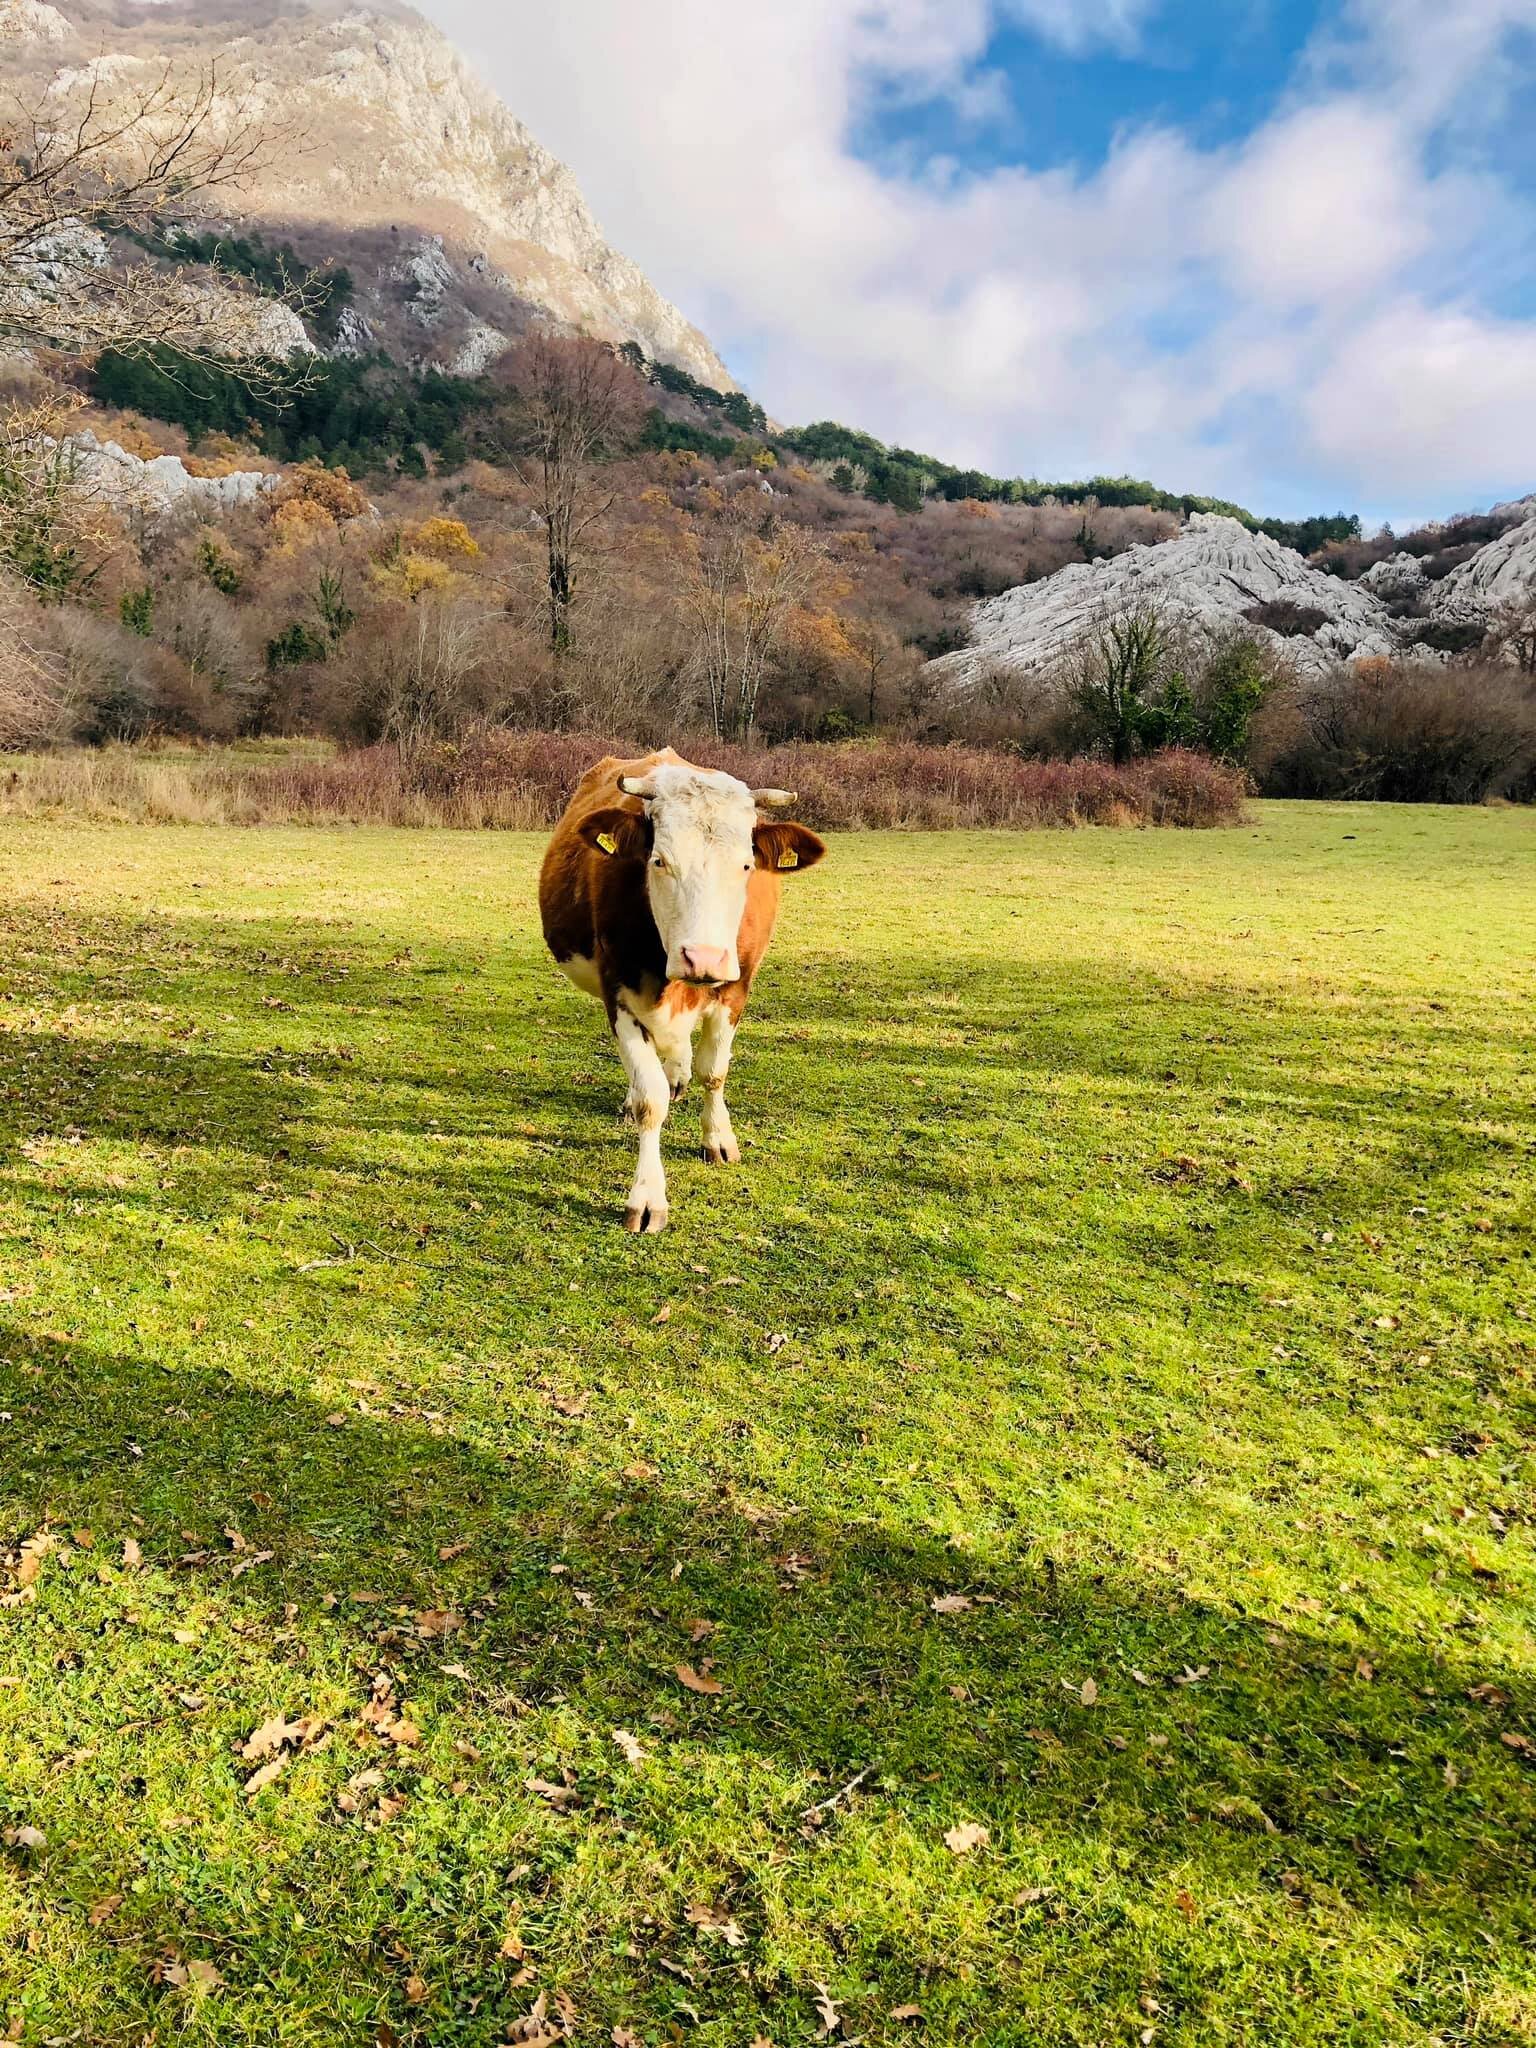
[{"x": 1041, "y": 1553}]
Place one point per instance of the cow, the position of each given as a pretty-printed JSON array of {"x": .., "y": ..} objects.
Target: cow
[{"x": 658, "y": 895}]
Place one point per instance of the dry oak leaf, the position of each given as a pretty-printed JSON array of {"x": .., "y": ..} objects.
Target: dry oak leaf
[
  {"x": 448, "y": 1551},
  {"x": 275, "y": 1733},
  {"x": 133, "y": 1556},
  {"x": 714, "y": 1920},
  {"x": 195, "y": 1976},
  {"x": 969, "y": 1835},
  {"x": 258, "y": 1781},
  {"x": 26, "y": 1837},
  {"x": 1089, "y": 1692},
  {"x": 561, "y": 1797},
  {"x": 698, "y": 1681},
  {"x": 415, "y": 1990},
  {"x": 905, "y": 2012},
  {"x": 630, "y": 1747},
  {"x": 103, "y": 1909},
  {"x": 625, "y": 2037},
  {"x": 831, "y": 2018},
  {"x": 951, "y": 1603}
]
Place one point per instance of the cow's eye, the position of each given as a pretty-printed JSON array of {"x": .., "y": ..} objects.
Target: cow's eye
[{"x": 658, "y": 862}]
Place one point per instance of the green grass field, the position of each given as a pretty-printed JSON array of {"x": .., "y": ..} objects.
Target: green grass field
[{"x": 1098, "y": 1418}]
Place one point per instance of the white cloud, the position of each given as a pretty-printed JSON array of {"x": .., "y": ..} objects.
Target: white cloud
[{"x": 1216, "y": 318}]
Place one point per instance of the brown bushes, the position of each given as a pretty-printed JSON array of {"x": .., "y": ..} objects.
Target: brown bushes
[
  {"x": 1401, "y": 732},
  {"x": 521, "y": 780}
]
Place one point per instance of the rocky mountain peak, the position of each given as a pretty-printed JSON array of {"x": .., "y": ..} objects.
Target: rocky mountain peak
[{"x": 457, "y": 225}]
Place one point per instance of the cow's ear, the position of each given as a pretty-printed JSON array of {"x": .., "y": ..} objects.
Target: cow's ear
[
  {"x": 786, "y": 848},
  {"x": 622, "y": 835}
]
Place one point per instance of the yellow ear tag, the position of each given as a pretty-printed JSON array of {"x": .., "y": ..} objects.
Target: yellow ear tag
[
  {"x": 789, "y": 858},
  {"x": 607, "y": 842}
]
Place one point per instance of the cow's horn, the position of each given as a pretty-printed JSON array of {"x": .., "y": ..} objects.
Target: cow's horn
[
  {"x": 773, "y": 799},
  {"x": 633, "y": 786}
]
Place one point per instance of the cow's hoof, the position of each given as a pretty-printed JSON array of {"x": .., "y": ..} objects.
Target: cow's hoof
[
  {"x": 722, "y": 1152},
  {"x": 645, "y": 1220},
  {"x": 680, "y": 1088}
]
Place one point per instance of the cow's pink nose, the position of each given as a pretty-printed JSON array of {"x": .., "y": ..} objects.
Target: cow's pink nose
[{"x": 706, "y": 963}]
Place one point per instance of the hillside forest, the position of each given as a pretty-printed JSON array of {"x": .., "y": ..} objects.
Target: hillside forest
[{"x": 582, "y": 538}]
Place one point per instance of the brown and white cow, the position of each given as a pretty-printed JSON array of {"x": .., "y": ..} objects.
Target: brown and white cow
[{"x": 658, "y": 894}]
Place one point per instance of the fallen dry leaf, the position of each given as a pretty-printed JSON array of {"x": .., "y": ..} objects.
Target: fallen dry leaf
[
  {"x": 433, "y": 1622},
  {"x": 905, "y": 2012},
  {"x": 969, "y": 1835},
  {"x": 951, "y": 1603},
  {"x": 448, "y": 1551},
  {"x": 1186, "y": 1905},
  {"x": 1089, "y": 1693},
  {"x": 831, "y": 2018},
  {"x": 133, "y": 1557},
  {"x": 698, "y": 1681},
  {"x": 103, "y": 1909},
  {"x": 259, "y": 1780},
  {"x": 714, "y": 1920},
  {"x": 663, "y": 1314},
  {"x": 629, "y": 1746},
  {"x": 26, "y": 1837},
  {"x": 415, "y": 1991},
  {"x": 561, "y": 1797}
]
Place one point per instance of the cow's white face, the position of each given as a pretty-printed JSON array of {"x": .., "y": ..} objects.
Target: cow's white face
[{"x": 700, "y": 860}]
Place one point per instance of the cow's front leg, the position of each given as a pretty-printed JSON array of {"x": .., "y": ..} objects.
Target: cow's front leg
[
  {"x": 717, "y": 1033},
  {"x": 648, "y": 1100}
]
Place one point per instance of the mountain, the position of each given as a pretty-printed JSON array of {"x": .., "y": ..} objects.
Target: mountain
[
  {"x": 1218, "y": 574},
  {"x": 457, "y": 227}
]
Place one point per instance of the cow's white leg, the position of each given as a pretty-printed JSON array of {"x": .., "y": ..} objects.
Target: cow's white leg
[
  {"x": 716, "y": 1035},
  {"x": 649, "y": 1098}
]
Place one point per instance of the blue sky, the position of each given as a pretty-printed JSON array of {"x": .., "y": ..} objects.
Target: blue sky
[
  {"x": 1214, "y": 72},
  {"x": 1284, "y": 253}
]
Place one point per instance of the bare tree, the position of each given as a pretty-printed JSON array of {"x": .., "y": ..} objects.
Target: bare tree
[
  {"x": 34, "y": 707},
  {"x": 748, "y": 579},
  {"x": 1512, "y": 635},
  {"x": 577, "y": 406},
  {"x": 93, "y": 158},
  {"x": 55, "y": 529}
]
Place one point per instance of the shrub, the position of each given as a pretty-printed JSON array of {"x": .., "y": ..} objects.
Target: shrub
[
  {"x": 297, "y": 642},
  {"x": 1404, "y": 732},
  {"x": 1283, "y": 615}
]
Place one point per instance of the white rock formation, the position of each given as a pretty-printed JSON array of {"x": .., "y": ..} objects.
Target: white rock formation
[
  {"x": 163, "y": 483},
  {"x": 481, "y": 347},
  {"x": 1499, "y": 576},
  {"x": 1400, "y": 578},
  {"x": 31, "y": 21},
  {"x": 1211, "y": 576}
]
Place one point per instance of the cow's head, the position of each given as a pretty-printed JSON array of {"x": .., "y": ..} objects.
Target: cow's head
[{"x": 700, "y": 836}]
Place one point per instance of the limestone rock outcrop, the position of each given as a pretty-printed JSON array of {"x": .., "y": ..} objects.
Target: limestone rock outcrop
[
  {"x": 1215, "y": 574},
  {"x": 404, "y": 165}
]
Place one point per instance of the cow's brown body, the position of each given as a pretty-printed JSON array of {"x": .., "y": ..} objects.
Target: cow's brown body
[
  {"x": 596, "y": 908},
  {"x": 608, "y": 852}
]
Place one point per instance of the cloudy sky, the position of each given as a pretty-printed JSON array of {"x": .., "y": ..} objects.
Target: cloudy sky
[{"x": 1277, "y": 250}]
